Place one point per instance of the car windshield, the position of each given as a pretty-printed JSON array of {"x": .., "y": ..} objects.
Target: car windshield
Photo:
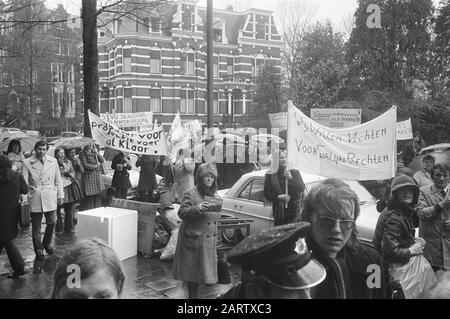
[{"x": 363, "y": 194}]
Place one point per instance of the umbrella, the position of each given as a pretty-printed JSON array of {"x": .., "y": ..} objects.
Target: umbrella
[
  {"x": 266, "y": 138},
  {"x": 73, "y": 142},
  {"x": 27, "y": 143}
]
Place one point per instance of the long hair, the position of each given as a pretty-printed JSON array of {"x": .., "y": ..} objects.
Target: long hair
[
  {"x": 11, "y": 145},
  {"x": 5, "y": 162},
  {"x": 90, "y": 256},
  {"x": 203, "y": 170},
  {"x": 332, "y": 195}
]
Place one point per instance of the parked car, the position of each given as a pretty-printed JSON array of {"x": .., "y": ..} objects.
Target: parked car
[
  {"x": 441, "y": 152},
  {"x": 33, "y": 133},
  {"x": 245, "y": 199}
]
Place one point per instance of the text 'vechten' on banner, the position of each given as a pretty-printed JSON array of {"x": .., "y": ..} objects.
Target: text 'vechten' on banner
[
  {"x": 149, "y": 143},
  {"x": 363, "y": 152}
]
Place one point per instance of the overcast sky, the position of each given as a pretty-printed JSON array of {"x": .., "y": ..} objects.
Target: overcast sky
[{"x": 335, "y": 10}]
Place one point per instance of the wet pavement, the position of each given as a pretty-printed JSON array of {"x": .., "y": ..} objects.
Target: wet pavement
[{"x": 146, "y": 277}]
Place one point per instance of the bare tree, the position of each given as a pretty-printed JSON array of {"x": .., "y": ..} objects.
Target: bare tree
[
  {"x": 295, "y": 17},
  {"x": 90, "y": 11}
]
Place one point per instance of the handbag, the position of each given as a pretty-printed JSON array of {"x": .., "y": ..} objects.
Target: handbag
[{"x": 24, "y": 214}]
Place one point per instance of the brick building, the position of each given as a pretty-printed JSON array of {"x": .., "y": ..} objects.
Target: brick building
[
  {"x": 39, "y": 68},
  {"x": 158, "y": 63}
]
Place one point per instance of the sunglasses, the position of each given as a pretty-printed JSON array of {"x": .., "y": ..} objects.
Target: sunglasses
[{"x": 329, "y": 222}]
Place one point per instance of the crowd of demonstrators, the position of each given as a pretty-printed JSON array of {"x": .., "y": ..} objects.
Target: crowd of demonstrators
[
  {"x": 121, "y": 177},
  {"x": 423, "y": 176},
  {"x": 434, "y": 213},
  {"x": 147, "y": 178},
  {"x": 72, "y": 193},
  {"x": 195, "y": 260},
  {"x": 45, "y": 194},
  {"x": 183, "y": 175},
  {"x": 275, "y": 264},
  {"x": 92, "y": 182},
  {"x": 100, "y": 270},
  {"x": 332, "y": 208},
  {"x": 12, "y": 185},
  {"x": 285, "y": 202},
  {"x": 14, "y": 152}
]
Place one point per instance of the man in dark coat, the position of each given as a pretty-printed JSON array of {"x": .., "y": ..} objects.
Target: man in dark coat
[
  {"x": 121, "y": 178},
  {"x": 147, "y": 177},
  {"x": 354, "y": 270},
  {"x": 12, "y": 184},
  {"x": 276, "y": 264},
  {"x": 275, "y": 191}
]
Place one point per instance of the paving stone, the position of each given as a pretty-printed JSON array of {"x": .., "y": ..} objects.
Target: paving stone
[
  {"x": 162, "y": 284},
  {"x": 149, "y": 294}
]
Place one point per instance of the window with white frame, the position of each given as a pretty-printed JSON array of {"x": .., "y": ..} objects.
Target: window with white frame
[
  {"x": 188, "y": 64},
  {"x": 187, "y": 102},
  {"x": 57, "y": 70},
  {"x": 155, "y": 62},
  {"x": 216, "y": 103},
  {"x": 155, "y": 100},
  {"x": 126, "y": 60},
  {"x": 127, "y": 100},
  {"x": 258, "y": 64},
  {"x": 230, "y": 66},
  {"x": 216, "y": 69},
  {"x": 156, "y": 25},
  {"x": 70, "y": 74}
]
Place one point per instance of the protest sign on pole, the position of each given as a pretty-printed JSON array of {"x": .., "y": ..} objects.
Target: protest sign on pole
[
  {"x": 404, "y": 130},
  {"x": 337, "y": 118},
  {"x": 278, "y": 120},
  {"x": 363, "y": 152},
  {"x": 129, "y": 121},
  {"x": 149, "y": 143}
]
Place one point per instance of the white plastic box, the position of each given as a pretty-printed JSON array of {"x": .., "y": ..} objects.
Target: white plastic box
[{"x": 116, "y": 226}]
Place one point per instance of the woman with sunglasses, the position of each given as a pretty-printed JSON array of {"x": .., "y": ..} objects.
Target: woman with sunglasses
[{"x": 332, "y": 208}]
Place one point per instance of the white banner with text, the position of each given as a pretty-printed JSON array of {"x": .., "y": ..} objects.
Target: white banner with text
[
  {"x": 363, "y": 152},
  {"x": 149, "y": 143}
]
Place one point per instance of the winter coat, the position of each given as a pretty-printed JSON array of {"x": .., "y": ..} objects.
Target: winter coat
[
  {"x": 431, "y": 228},
  {"x": 147, "y": 177},
  {"x": 183, "y": 177},
  {"x": 12, "y": 184},
  {"x": 78, "y": 168},
  {"x": 44, "y": 184},
  {"x": 347, "y": 274},
  {"x": 67, "y": 172},
  {"x": 395, "y": 233},
  {"x": 196, "y": 257},
  {"x": 121, "y": 178},
  {"x": 18, "y": 161},
  {"x": 92, "y": 183},
  {"x": 274, "y": 185},
  {"x": 165, "y": 171}
]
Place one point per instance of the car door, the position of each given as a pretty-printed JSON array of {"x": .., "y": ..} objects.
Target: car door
[{"x": 249, "y": 203}]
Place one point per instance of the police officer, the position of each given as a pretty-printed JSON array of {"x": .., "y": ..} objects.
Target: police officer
[{"x": 276, "y": 264}]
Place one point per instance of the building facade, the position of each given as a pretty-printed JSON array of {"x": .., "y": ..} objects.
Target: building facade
[
  {"x": 39, "y": 68},
  {"x": 158, "y": 63}
]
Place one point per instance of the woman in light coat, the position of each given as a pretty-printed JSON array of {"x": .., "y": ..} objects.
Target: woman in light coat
[
  {"x": 183, "y": 176},
  {"x": 195, "y": 259}
]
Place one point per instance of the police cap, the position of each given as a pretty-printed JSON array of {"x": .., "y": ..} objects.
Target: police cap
[{"x": 280, "y": 255}]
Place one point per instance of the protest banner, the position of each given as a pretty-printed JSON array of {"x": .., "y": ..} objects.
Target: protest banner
[
  {"x": 404, "y": 130},
  {"x": 337, "y": 118},
  {"x": 129, "y": 121},
  {"x": 149, "y": 143},
  {"x": 278, "y": 120},
  {"x": 363, "y": 152}
]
